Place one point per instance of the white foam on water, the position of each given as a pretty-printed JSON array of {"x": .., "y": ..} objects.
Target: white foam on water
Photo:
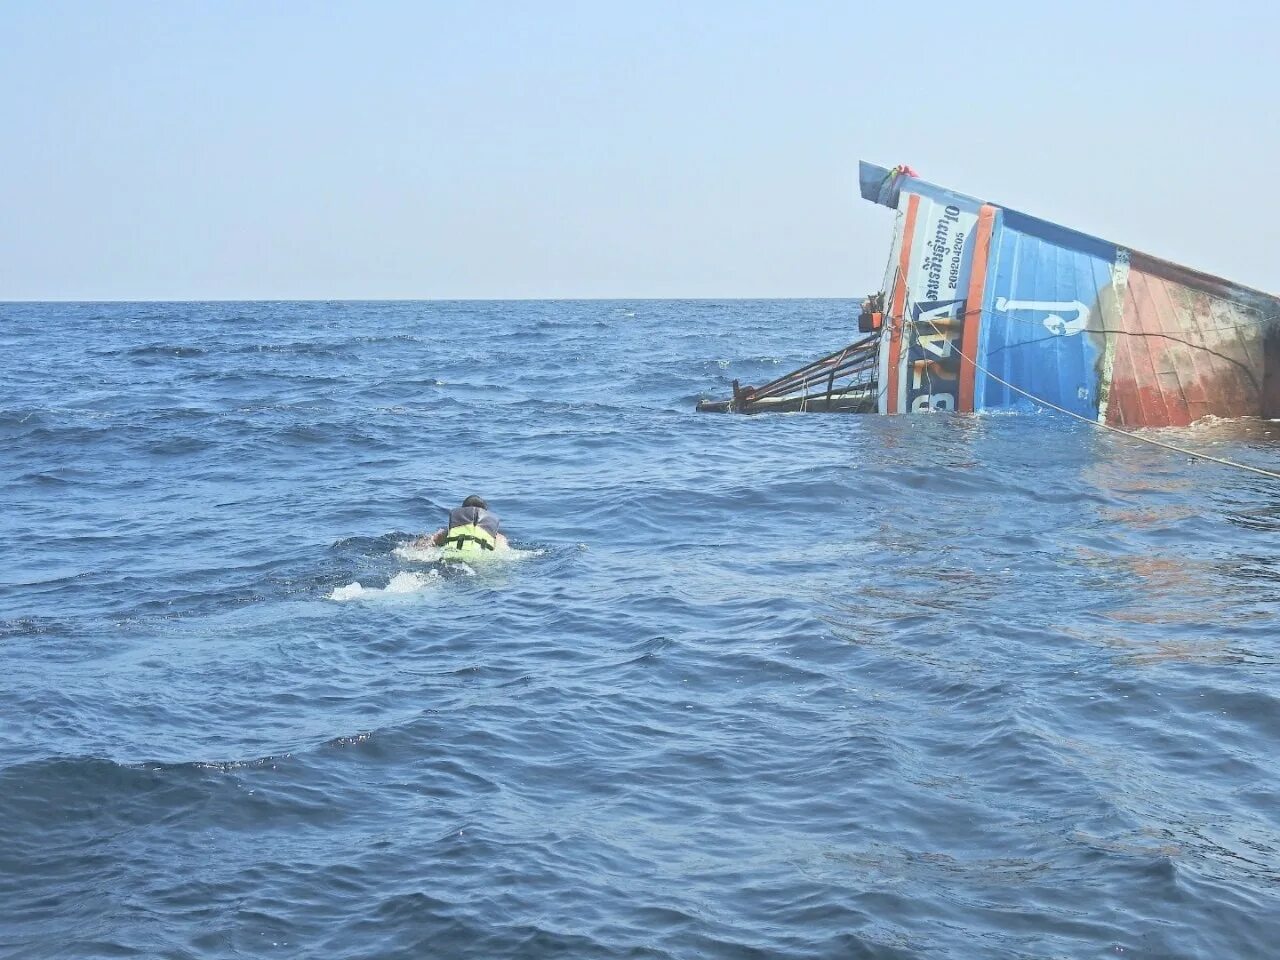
[
  {"x": 410, "y": 582},
  {"x": 410, "y": 551},
  {"x": 401, "y": 585}
]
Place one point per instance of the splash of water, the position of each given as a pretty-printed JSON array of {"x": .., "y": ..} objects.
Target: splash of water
[
  {"x": 419, "y": 554},
  {"x": 402, "y": 584}
]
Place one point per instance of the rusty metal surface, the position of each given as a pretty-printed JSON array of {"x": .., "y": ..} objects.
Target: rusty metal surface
[{"x": 1183, "y": 353}]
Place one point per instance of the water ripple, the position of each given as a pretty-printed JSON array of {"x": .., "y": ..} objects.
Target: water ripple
[{"x": 789, "y": 686}]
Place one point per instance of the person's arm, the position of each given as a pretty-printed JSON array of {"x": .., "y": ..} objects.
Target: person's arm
[
  {"x": 431, "y": 541},
  {"x": 501, "y": 541}
]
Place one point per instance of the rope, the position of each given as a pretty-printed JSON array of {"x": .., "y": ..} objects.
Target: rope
[{"x": 1106, "y": 426}]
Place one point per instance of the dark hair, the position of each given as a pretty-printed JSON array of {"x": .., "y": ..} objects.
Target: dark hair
[{"x": 474, "y": 501}]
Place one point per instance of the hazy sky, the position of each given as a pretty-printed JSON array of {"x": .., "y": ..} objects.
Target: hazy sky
[{"x": 226, "y": 150}]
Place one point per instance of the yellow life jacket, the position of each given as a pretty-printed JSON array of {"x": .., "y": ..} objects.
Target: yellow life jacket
[
  {"x": 471, "y": 530},
  {"x": 469, "y": 538}
]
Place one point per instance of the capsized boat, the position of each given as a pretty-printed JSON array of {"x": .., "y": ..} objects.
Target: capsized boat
[{"x": 986, "y": 308}]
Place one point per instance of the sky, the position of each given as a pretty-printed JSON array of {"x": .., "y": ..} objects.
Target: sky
[{"x": 176, "y": 150}]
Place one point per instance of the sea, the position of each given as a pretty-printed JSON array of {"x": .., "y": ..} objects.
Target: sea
[{"x": 780, "y": 686}]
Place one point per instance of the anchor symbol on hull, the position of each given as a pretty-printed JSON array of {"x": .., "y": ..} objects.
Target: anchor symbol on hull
[{"x": 1054, "y": 322}]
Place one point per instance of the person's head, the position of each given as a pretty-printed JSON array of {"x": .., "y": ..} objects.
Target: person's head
[{"x": 474, "y": 501}]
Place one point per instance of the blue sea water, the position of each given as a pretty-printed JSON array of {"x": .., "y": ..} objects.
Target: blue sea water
[{"x": 789, "y": 686}]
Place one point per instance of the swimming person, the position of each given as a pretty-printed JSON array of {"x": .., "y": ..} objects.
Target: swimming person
[{"x": 472, "y": 529}]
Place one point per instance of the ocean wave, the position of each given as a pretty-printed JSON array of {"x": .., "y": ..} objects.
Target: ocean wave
[{"x": 785, "y": 686}]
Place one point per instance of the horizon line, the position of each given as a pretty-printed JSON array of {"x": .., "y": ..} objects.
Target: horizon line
[{"x": 415, "y": 299}]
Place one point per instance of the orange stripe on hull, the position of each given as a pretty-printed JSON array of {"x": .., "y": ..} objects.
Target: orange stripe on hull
[{"x": 973, "y": 308}]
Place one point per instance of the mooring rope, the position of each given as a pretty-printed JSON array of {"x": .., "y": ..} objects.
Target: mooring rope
[{"x": 1261, "y": 471}]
